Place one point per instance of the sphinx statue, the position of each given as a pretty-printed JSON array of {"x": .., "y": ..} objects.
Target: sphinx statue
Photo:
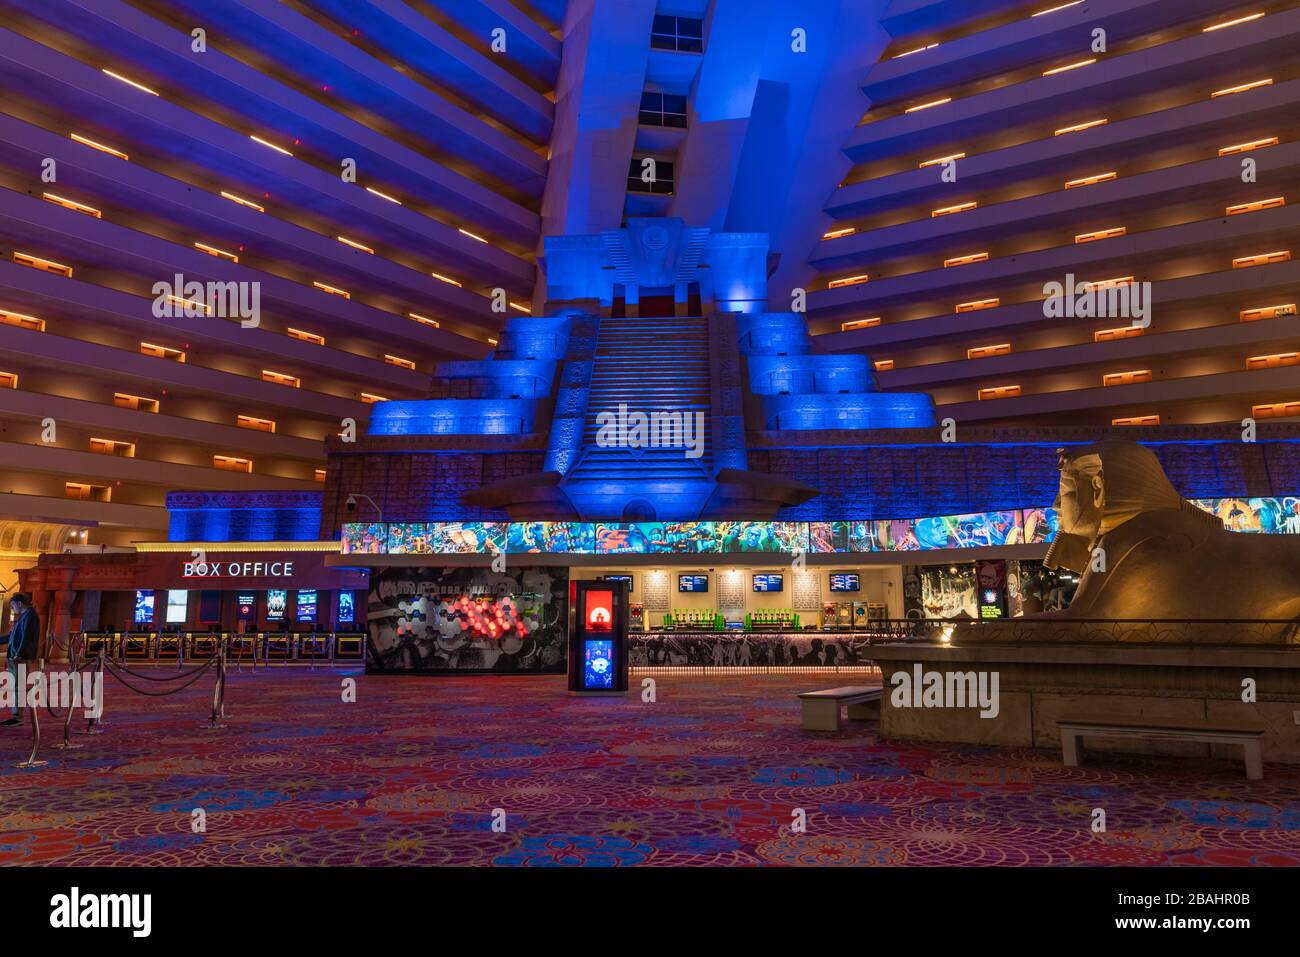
[{"x": 1146, "y": 554}]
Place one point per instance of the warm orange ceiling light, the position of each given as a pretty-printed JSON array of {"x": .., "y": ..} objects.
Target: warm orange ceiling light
[
  {"x": 87, "y": 141},
  {"x": 1232, "y": 23},
  {"x": 138, "y": 86},
  {"x": 1242, "y": 88},
  {"x": 1069, "y": 66},
  {"x": 938, "y": 160},
  {"x": 242, "y": 202},
  {"x": 926, "y": 106},
  {"x": 1080, "y": 127}
]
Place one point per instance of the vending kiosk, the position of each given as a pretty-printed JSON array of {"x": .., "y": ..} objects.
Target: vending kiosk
[{"x": 598, "y": 639}]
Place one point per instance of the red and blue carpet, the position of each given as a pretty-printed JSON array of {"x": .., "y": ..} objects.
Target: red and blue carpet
[{"x": 712, "y": 773}]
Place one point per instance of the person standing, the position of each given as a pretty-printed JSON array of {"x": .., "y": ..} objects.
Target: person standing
[{"x": 24, "y": 645}]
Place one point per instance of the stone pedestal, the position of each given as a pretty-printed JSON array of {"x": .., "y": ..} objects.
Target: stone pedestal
[{"x": 1040, "y": 684}]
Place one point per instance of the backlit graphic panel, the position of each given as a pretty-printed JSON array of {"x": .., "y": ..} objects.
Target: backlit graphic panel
[
  {"x": 366, "y": 538},
  {"x": 447, "y": 538},
  {"x": 1030, "y": 526},
  {"x": 550, "y": 537},
  {"x": 1038, "y": 525},
  {"x": 436, "y": 619},
  {"x": 623, "y": 538},
  {"x": 347, "y": 608},
  {"x": 306, "y": 605},
  {"x": 598, "y": 664},
  {"x": 786, "y": 537},
  {"x": 980, "y": 530},
  {"x": 143, "y": 608},
  {"x": 841, "y": 537},
  {"x": 1268, "y": 516},
  {"x": 276, "y": 600}
]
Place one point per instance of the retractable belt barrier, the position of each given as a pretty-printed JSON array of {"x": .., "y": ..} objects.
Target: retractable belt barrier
[{"x": 102, "y": 663}]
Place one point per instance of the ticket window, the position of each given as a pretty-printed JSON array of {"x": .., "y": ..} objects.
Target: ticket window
[{"x": 598, "y": 640}]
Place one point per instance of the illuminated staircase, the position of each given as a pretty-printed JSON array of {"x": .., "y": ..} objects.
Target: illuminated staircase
[{"x": 651, "y": 364}]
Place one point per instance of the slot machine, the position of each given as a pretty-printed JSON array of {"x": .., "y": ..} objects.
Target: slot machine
[{"x": 598, "y": 639}]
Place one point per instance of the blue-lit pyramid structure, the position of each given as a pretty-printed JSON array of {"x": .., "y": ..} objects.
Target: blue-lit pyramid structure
[{"x": 654, "y": 318}]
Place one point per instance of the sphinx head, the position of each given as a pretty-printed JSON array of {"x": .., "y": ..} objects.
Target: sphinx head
[{"x": 1104, "y": 485}]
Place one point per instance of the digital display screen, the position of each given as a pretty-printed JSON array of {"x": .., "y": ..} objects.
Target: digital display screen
[
  {"x": 143, "y": 608},
  {"x": 177, "y": 606},
  {"x": 447, "y": 538},
  {"x": 845, "y": 581},
  {"x": 276, "y": 600},
  {"x": 769, "y": 582},
  {"x": 247, "y": 606},
  {"x": 307, "y": 605},
  {"x": 598, "y": 664},
  {"x": 619, "y": 578},
  {"x": 347, "y": 608},
  {"x": 600, "y": 610},
  {"x": 534, "y": 537},
  {"x": 694, "y": 583}
]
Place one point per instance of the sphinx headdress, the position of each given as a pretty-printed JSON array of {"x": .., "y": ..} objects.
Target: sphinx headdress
[{"x": 1132, "y": 482}]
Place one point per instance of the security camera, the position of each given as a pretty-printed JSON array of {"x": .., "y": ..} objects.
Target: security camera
[{"x": 352, "y": 503}]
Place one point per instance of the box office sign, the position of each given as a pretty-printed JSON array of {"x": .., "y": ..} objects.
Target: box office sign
[{"x": 223, "y": 570}]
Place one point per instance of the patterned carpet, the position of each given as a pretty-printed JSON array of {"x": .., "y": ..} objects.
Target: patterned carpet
[{"x": 709, "y": 774}]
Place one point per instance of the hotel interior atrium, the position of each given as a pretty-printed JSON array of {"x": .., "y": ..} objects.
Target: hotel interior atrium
[{"x": 606, "y": 393}]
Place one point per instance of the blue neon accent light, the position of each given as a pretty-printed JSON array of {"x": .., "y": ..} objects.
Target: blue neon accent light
[
  {"x": 452, "y": 417},
  {"x": 243, "y": 516}
]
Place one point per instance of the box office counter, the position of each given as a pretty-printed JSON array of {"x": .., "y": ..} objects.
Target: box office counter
[{"x": 169, "y": 588}]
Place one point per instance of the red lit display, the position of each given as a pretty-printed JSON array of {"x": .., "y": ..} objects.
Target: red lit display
[{"x": 599, "y": 614}]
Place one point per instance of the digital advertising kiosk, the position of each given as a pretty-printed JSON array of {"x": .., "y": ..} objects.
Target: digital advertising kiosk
[{"x": 598, "y": 639}]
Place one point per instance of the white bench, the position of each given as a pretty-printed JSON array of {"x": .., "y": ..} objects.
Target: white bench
[
  {"x": 821, "y": 709},
  {"x": 1248, "y": 738}
]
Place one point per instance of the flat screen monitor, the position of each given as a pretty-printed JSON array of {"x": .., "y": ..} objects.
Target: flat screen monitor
[
  {"x": 846, "y": 581},
  {"x": 307, "y": 604},
  {"x": 772, "y": 581},
  {"x": 619, "y": 578},
  {"x": 178, "y": 602},
  {"x": 347, "y": 608},
  {"x": 693, "y": 583},
  {"x": 247, "y": 602},
  {"x": 143, "y": 607},
  {"x": 276, "y": 599}
]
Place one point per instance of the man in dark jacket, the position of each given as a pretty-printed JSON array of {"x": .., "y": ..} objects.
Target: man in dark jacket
[{"x": 24, "y": 645}]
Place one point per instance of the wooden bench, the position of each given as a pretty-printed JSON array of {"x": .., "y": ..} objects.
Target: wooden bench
[
  {"x": 1072, "y": 730},
  {"x": 821, "y": 709}
]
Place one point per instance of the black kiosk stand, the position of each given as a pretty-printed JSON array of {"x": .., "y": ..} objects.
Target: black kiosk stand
[{"x": 598, "y": 638}]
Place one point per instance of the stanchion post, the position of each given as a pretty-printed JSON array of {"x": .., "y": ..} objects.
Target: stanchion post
[
  {"x": 95, "y": 725},
  {"x": 67, "y": 744},
  {"x": 31, "y": 761},
  {"x": 221, "y": 674},
  {"x": 218, "y": 696}
]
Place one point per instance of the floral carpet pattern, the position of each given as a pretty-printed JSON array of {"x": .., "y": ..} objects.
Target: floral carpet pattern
[{"x": 714, "y": 772}]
